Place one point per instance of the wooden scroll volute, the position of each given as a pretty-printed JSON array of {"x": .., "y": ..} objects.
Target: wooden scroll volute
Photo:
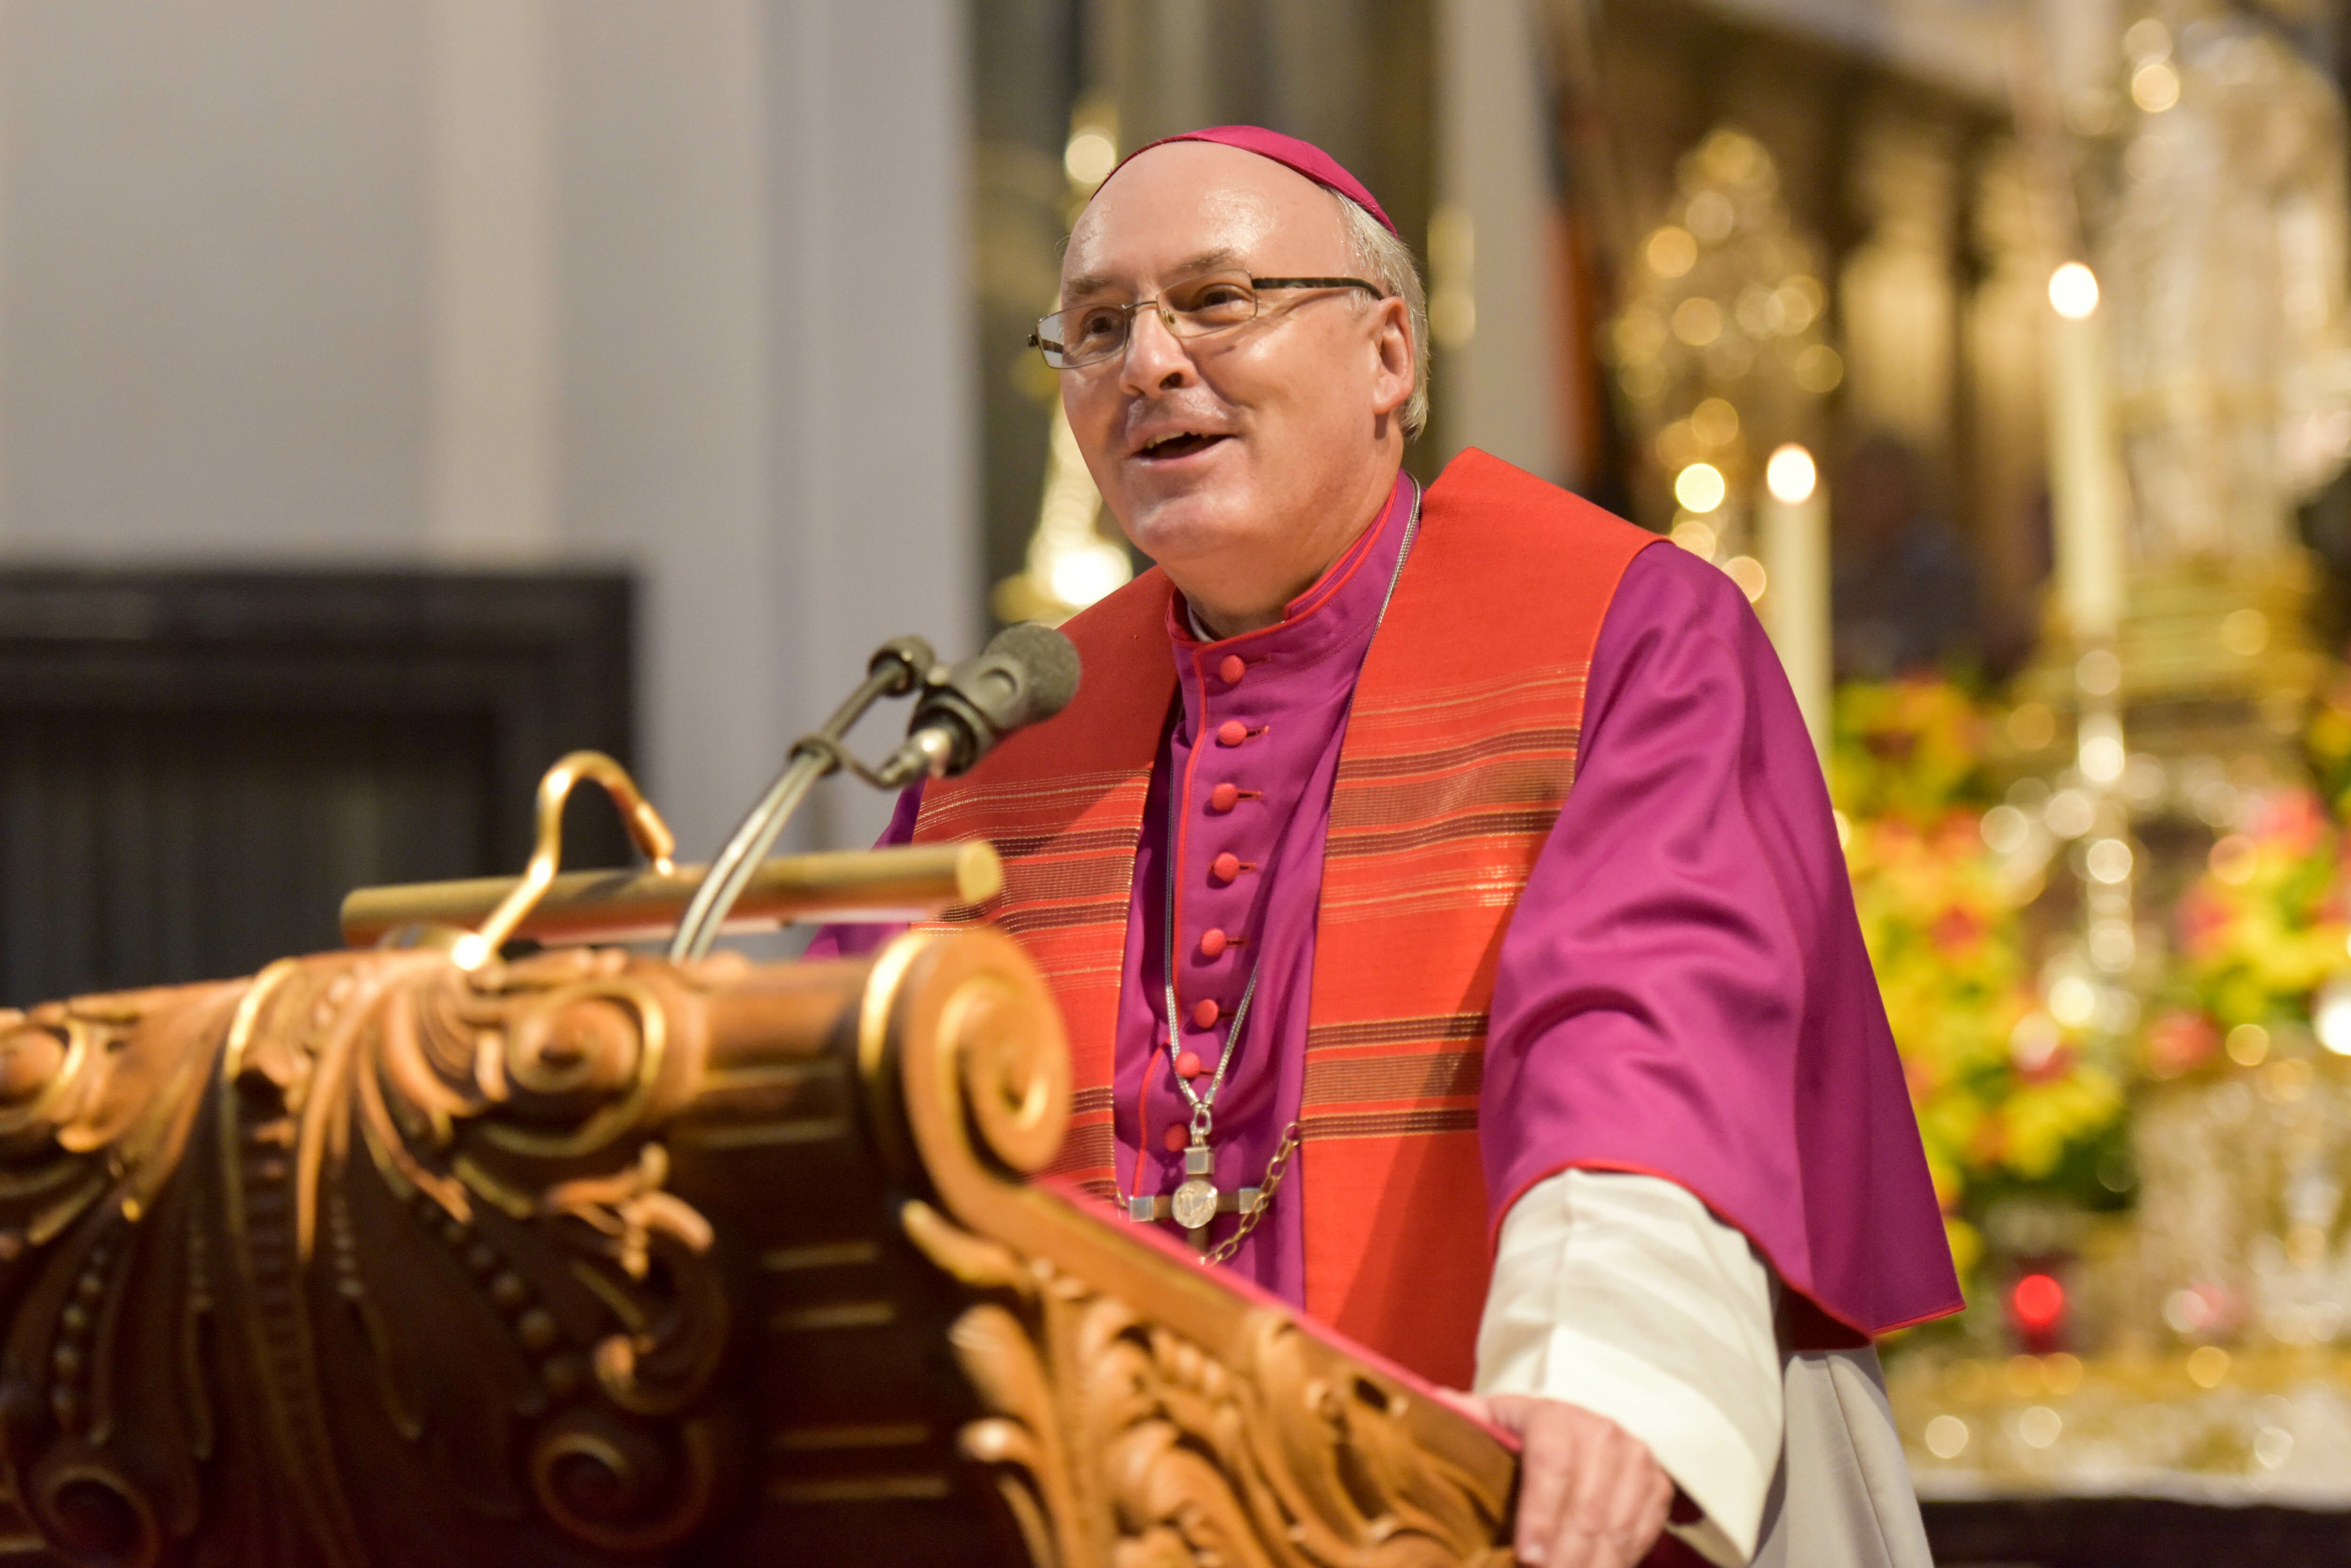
[{"x": 589, "y": 1259}]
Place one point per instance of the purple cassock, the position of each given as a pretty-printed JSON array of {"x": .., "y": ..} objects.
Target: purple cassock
[{"x": 1683, "y": 990}]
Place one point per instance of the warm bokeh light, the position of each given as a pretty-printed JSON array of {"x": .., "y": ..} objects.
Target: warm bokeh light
[
  {"x": 2155, "y": 86},
  {"x": 2005, "y": 830},
  {"x": 1453, "y": 317},
  {"x": 1089, "y": 158},
  {"x": 1748, "y": 573},
  {"x": 2146, "y": 39},
  {"x": 2074, "y": 1001},
  {"x": 2032, "y": 725},
  {"x": 2074, "y": 290},
  {"x": 1819, "y": 368},
  {"x": 2035, "y": 1042},
  {"x": 1672, "y": 251},
  {"x": 2103, "y": 759},
  {"x": 1711, "y": 215},
  {"x": 1715, "y": 421},
  {"x": 1698, "y": 538},
  {"x": 1700, "y": 488},
  {"x": 1791, "y": 474},
  {"x": 2099, "y": 672},
  {"x": 2330, "y": 1014},
  {"x": 1698, "y": 321},
  {"x": 2070, "y": 813}
]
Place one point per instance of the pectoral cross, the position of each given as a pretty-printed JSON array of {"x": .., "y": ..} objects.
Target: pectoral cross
[{"x": 1196, "y": 1202}]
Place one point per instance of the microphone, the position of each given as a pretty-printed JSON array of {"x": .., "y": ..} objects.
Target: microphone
[{"x": 1026, "y": 674}]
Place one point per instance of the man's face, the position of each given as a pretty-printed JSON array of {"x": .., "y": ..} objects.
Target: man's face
[{"x": 1238, "y": 443}]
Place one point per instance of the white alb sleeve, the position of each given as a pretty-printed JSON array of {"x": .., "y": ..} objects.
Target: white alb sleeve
[{"x": 1621, "y": 1294}]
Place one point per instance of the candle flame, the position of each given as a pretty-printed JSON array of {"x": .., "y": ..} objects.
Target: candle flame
[
  {"x": 1791, "y": 474},
  {"x": 2074, "y": 290}
]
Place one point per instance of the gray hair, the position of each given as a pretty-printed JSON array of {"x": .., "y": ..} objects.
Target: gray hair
[{"x": 1386, "y": 260}]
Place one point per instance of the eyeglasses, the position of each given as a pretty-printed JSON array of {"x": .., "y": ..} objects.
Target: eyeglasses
[{"x": 1070, "y": 340}]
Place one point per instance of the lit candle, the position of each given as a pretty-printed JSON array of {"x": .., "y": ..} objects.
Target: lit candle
[
  {"x": 2084, "y": 489},
  {"x": 1794, "y": 522}
]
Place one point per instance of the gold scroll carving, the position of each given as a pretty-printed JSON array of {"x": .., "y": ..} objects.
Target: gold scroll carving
[
  {"x": 587, "y": 1258},
  {"x": 1142, "y": 1414}
]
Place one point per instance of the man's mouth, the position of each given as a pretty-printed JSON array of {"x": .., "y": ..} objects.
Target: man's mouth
[{"x": 1177, "y": 443}]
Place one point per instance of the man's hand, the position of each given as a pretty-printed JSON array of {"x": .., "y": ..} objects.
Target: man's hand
[{"x": 1590, "y": 1493}]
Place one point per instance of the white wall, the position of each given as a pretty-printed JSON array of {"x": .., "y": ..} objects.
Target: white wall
[
  {"x": 512, "y": 281},
  {"x": 213, "y": 289},
  {"x": 875, "y": 445}
]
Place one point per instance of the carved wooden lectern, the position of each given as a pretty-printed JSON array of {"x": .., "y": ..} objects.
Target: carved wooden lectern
[{"x": 586, "y": 1258}]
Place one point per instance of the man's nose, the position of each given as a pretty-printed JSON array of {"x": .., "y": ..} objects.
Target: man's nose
[{"x": 1155, "y": 359}]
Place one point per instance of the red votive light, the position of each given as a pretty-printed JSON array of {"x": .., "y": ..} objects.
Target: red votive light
[{"x": 2039, "y": 1303}]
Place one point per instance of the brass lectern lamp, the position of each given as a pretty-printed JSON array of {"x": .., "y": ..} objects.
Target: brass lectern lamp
[{"x": 427, "y": 1253}]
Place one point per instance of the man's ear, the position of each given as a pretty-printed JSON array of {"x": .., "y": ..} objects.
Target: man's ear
[{"x": 1392, "y": 342}]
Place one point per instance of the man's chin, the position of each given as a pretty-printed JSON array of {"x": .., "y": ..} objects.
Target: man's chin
[{"x": 1181, "y": 527}]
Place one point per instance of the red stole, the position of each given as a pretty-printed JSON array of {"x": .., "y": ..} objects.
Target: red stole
[{"x": 1460, "y": 750}]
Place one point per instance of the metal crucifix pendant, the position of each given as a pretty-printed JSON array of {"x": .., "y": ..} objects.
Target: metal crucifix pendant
[{"x": 1196, "y": 1202}]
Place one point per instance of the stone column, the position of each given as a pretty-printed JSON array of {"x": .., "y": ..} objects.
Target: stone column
[{"x": 1495, "y": 282}]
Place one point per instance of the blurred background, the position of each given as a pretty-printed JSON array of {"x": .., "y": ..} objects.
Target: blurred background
[{"x": 396, "y": 394}]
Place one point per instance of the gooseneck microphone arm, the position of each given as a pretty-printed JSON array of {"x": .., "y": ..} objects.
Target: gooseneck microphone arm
[
  {"x": 1026, "y": 674},
  {"x": 899, "y": 666}
]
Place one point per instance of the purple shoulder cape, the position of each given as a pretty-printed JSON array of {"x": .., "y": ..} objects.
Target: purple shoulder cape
[{"x": 1684, "y": 991}]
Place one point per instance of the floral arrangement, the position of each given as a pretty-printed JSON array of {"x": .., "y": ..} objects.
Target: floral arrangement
[
  {"x": 2010, "y": 1101},
  {"x": 2006, "y": 1097},
  {"x": 2326, "y": 742},
  {"x": 2259, "y": 930}
]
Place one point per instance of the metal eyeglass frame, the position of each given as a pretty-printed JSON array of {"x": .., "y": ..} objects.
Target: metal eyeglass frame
[{"x": 1045, "y": 343}]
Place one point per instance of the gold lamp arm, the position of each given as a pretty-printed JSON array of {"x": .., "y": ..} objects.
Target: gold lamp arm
[{"x": 645, "y": 824}]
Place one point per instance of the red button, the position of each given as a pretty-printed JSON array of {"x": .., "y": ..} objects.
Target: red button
[
  {"x": 1174, "y": 1140},
  {"x": 1226, "y": 866},
  {"x": 1213, "y": 943},
  {"x": 1232, "y": 732},
  {"x": 1205, "y": 1016},
  {"x": 1223, "y": 796},
  {"x": 1232, "y": 671},
  {"x": 1187, "y": 1065}
]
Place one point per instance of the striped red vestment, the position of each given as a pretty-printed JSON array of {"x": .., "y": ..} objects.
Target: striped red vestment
[
  {"x": 1063, "y": 806},
  {"x": 1460, "y": 750}
]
